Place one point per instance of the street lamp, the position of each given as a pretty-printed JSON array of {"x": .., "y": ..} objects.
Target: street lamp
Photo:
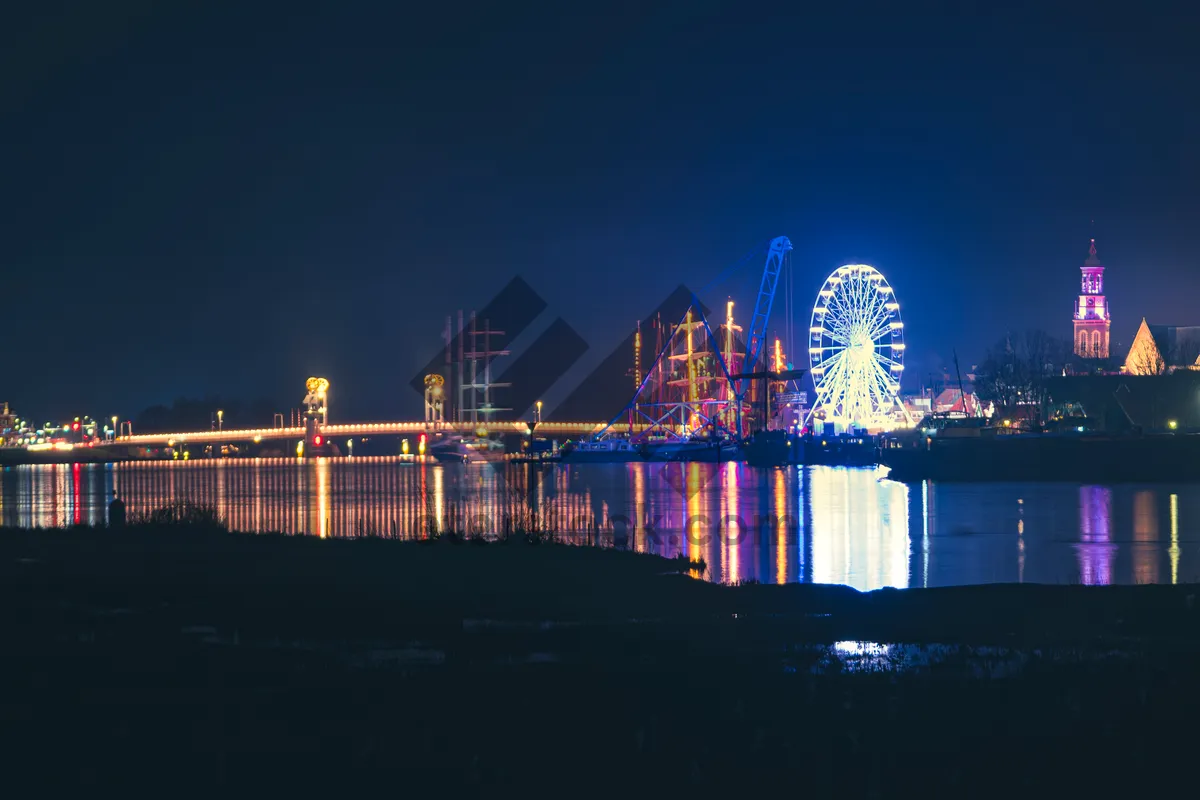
[
  {"x": 350, "y": 446},
  {"x": 220, "y": 420},
  {"x": 538, "y": 418},
  {"x": 114, "y": 428}
]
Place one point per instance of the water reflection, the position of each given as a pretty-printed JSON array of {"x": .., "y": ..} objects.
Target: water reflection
[
  {"x": 1145, "y": 535},
  {"x": 1174, "y": 551},
  {"x": 859, "y": 529},
  {"x": 1020, "y": 540},
  {"x": 1095, "y": 534},
  {"x": 730, "y": 529},
  {"x": 781, "y": 528},
  {"x": 696, "y": 523},
  {"x": 849, "y": 526}
]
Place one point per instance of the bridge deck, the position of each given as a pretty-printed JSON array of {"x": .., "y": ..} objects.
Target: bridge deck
[{"x": 372, "y": 428}]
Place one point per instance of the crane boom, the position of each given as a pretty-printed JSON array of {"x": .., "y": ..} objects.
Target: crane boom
[
  {"x": 766, "y": 298},
  {"x": 776, "y": 250}
]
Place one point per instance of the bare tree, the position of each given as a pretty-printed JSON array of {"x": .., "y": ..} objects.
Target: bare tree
[
  {"x": 999, "y": 378},
  {"x": 1185, "y": 353},
  {"x": 1145, "y": 360},
  {"x": 1044, "y": 356},
  {"x": 1017, "y": 369}
]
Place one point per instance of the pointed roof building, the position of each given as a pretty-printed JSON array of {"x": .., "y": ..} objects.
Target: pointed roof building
[{"x": 1157, "y": 349}]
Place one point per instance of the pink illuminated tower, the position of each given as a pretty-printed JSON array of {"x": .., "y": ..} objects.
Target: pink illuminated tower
[{"x": 1092, "y": 319}]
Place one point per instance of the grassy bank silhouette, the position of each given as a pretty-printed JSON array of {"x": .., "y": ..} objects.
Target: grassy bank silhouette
[{"x": 174, "y": 655}]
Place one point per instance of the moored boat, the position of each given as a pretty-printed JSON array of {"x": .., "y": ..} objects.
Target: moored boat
[
  {"x": 706, "y": 449},
  {"x": 773, "y": 449},
  {"x": 779, "y": 448},
  {"x": 604, "y": 451},
  {"x": 461, "y": 450}
]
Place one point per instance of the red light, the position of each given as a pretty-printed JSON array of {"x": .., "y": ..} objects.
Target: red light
[
  {"x": 75, "y": 426},
  {"x": 317, "y": 440},
  {"x": 422, "y": 438}
]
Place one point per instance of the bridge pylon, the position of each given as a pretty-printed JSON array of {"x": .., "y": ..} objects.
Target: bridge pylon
[
  {"x": 435, "y": 397},
  {"x": 316, "y": 414}
]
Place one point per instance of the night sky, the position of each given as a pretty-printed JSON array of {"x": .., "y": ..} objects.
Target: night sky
[{"x": 224, "y": 199}]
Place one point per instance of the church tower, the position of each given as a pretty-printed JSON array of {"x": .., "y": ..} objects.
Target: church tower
[{"x": 1092, "y": 319}]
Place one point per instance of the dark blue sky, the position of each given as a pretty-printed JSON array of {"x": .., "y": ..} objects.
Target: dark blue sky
[{"x": 203, "y": 199}]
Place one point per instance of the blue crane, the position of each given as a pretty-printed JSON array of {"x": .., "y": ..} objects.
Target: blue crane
[{"x": 778, "y": 248}]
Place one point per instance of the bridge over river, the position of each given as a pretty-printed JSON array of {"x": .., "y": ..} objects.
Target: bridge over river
[{"x": 549, "y": 429}]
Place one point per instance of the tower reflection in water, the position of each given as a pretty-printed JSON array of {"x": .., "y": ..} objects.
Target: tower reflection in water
[{"x": 1095, "y": 549}]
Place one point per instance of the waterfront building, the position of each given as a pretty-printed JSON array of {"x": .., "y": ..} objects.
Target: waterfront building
[{"x": 953, "y": 400}]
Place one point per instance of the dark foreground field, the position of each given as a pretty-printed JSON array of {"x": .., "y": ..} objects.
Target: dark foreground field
[{"x": 188, "y": 661}]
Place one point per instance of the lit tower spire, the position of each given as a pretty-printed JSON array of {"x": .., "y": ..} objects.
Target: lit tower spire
[{"x": 1092, "y": 318}]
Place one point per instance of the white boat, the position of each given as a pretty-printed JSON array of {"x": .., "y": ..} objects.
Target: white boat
[{"x": 461, "y": 450}]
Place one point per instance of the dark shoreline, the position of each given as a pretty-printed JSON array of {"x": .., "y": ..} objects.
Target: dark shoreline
[
  {"x": 180, "y": 658},
  {"x": 386, "y": 582}
]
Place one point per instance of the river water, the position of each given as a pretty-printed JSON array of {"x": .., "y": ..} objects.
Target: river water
[{"x": 812, "y": 524}]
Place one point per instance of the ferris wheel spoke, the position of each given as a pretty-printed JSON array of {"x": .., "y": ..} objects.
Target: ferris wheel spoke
[
  {"x": 862, "y": 286},
  {"x": 841, "y": 338},
  {"x": 884, "y": 377},
  {"x": 832, "y": 378},
  {"x": 839, "y": 310},
  {"x": 879, "y": 316},
  {"x": 879, "y": 331},
  {"x": 849, "y": 300},
  {"x": 889, "y": 362},
  {"x": 832, "y": 365},
  {"x": 841, "y": 333}
]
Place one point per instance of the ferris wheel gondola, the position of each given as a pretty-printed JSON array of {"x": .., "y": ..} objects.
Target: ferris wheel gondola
[{"x": 856, "y": 349}]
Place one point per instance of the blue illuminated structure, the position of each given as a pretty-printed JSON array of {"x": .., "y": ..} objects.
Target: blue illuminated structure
[
  {"x": 717, "y": 414},
  {"x": 778, "y": 248}
]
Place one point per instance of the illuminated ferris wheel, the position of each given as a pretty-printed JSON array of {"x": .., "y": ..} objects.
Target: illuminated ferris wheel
[{"x": 856, "y": 349}]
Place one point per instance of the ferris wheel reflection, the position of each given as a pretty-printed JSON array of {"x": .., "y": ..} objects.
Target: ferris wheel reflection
[{"x": 859, "y": 529}]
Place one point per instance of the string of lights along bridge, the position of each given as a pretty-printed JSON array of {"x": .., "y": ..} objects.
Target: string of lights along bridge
[{"x": 317, "y": 432}]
